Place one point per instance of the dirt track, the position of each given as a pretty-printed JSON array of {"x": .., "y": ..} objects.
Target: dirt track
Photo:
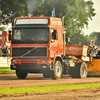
[
  {"x": 10, "y": 80},
  {"x": 86, "y": 94}
]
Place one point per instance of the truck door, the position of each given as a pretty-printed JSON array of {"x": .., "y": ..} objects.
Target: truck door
[
  {"x": 54, "y": 49},
  {"x": 60, "y": 41}
]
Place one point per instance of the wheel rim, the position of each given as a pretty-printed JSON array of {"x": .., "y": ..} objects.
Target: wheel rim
[
  {"x": 83, "y": 71},
  {"x": 58, "y": 70}
]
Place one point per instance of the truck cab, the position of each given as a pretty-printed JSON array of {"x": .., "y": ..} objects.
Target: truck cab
[{"x": 37, "y": 46}]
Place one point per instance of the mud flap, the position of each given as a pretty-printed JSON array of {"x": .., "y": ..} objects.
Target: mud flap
[{"x": 47, "y": 71}]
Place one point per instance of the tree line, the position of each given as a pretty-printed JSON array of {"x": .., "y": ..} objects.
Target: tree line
[{"x": 76, "y": 14}]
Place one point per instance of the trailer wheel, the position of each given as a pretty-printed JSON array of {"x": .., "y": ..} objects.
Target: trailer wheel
[
  {"x": 71, "y": 71},
  {"x": 57, "y": 72},
  {"x": 82, "y": 70},
  {"x": 79, "y": 71},
  {"x": 21, "y": 74}
]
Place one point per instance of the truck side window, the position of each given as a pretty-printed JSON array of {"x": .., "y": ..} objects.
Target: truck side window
[{"x": 54, "y": 34}]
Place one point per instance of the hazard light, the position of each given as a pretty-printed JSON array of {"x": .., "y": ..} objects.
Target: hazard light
[{"x": 29, "y": 21}]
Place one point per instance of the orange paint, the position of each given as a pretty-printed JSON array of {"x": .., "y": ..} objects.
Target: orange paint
[
  {"x": 76, "y": 50},
  {"x": 94, "y": 67}
]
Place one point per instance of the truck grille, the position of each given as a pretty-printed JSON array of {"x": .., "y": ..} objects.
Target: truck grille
[{"x": 29, "y": 52}]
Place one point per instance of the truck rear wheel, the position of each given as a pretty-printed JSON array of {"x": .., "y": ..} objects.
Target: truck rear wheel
[
  {"x": 57, "y": 72},
  {"x": 79, "y": 71},
  {"x": 21, "y": 74}
]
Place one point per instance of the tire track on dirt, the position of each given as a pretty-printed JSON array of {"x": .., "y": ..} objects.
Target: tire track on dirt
[{"x": 10, "y": 80}]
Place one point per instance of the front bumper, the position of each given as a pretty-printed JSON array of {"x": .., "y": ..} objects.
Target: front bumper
[{"x": 32, "y": 68}]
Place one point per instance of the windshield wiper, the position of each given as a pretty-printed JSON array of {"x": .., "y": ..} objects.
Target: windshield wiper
[{"x": 28, "y": 52}]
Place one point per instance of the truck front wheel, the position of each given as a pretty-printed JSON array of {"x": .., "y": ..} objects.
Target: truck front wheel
[
  {"x": 21, "y": 74},
  {"x": 57, "y": 72}
]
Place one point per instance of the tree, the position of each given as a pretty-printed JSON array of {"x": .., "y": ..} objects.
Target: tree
[
  {"x": 31, "y": 5},
  {"x": 76, "y": 12},
  {"x": 0, "y": 15},
  {"x": 94, "y": 34},
  {"x": 98, "y": 39},
  {"x": 2, "y": 28},
  {"x": 22, "y": 7},
  {"x": 8, "y": 7},
  {"x": 80, "y": 38}
]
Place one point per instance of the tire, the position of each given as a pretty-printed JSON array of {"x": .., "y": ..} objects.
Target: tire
[
  {"x": 79, "y": 71},
  {"x": 21, "y": 74},
  {"x": 82, "y": 70},
  {"x": 71, "y": 71},
  {"x": 57, "y": 72}
]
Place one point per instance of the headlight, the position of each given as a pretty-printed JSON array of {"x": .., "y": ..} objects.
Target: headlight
[
  {"x": 14, "y": 61},
  {"x": 44, "y": 61}
]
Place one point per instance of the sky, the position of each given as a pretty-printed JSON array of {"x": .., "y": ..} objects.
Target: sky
[{"x": 94, "y": 25}]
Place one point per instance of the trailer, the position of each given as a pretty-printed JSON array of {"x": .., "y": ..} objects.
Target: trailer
[{"x": 92, "y": 62}]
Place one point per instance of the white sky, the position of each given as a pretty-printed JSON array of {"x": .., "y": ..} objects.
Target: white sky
[{"x": 94, "y": 25}]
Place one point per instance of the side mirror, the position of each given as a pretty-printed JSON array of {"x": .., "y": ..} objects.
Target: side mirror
[
  {"x": 13, "y": 23},
  {"x": 67, "y": 39},
  {"x": 54, "y": 34},
  {"x": 9, "y": 38}
]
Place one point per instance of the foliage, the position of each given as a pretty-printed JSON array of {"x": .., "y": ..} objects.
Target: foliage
[
  {"x": 2, "y": 28},
  {"x": 78, "y": 38},
  {"x": 31, "y": 5},
  {"x": 9, "y": 7},
  {"x": 96, "y": 37},
  {"x": 0, "y": 15},
  {"x": 76, "y": 12},
  {"x": 94, "y": 34}
]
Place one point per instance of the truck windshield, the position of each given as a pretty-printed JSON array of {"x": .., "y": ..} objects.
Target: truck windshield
[{"x": 30, "y": 36}]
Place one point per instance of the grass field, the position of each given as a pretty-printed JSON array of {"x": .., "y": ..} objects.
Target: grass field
[
  {"x": 38, "y": 89},
  {"x": 6, "y": 70}
]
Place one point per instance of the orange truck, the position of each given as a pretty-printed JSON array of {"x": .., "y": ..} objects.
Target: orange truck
[
  {"x": 38, "y": 46},
  {"x": 4, "y": 38},
  {"x": 4, "y": 44}
]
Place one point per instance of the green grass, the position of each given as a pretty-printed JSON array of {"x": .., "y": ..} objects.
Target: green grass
[
  {"x": 38, "y": 89},
  {"x": 6, "y": 70},
  {"x": 4, "y": 67}
]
